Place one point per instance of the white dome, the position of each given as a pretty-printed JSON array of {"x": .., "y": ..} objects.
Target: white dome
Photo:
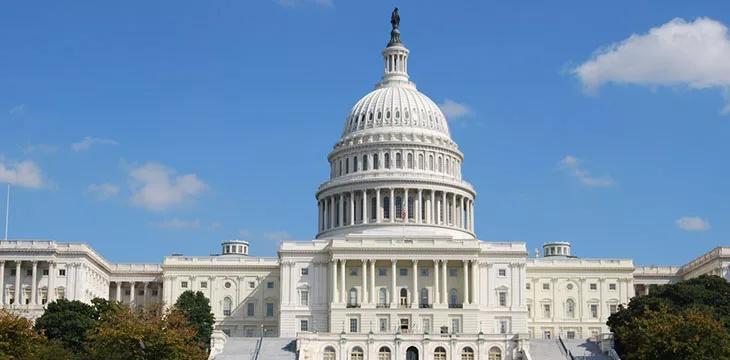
[{"x": 396, "y": 106}]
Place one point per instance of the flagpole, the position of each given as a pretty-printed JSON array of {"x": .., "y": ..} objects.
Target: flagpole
[{"x": 7, "y": 212}]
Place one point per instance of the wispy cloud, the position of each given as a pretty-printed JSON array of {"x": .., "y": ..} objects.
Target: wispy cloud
[
  {"x": 104, "y": 191},
  {"x": 244, "y": 232},
  {"x": 40, "y": 148},
  {"x": 86, "y": 143},
  {"x": 18, "y": 110},
  {"x": 177, "y": 224},
  {"x": 215, "y": 225},
  {"x": 573, "y": 165},
  {"x": 294, "y": 3},
  {"x": 695, "y": 54},
  {"x": 278, "y": 235},
  {"x": 692, "y": 223},
  {"x": 157, "y": 188},
  {"x": 454, "y": 110},
  {"x": 25, "y": 174}
]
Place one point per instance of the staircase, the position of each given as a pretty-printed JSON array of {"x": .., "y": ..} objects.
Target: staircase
[
  {"x": 544, "y": 349},
  {"x": 278, "y": 349},
  {"x": 584, "y": 350},
  {"x": 239, "y": 348}
]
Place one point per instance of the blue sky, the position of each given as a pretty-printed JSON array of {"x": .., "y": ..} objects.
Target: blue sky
[{"x": 150, "y": 128}]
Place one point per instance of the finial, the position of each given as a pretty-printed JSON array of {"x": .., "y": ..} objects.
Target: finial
[
  {"x": 395, "y": 19},
  {"x": 395, "y": 33}
]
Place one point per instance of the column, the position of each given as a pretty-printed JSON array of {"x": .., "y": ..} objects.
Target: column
[
  {"x": 392, "y": 205},
  {"x": 325, "y": 216},
  {"x": 167, "y": 291},
  {"x": 429, "y": 209},
  {"x": 417, "y": 205},
  {"x": 34, "y": 284},
  {"x": 341, "y": 212},
  {"x": 443, "y": 210},
  {"x": 2, "y": 282},
  {"x": 51, "y": 281},
  {"x": 474, "y": 282},
  {"x": 364, "y": 278},
  {"x": 333, "y": 270},
  {"x": 393, "y": 288},
  {"x": 453, "y": 210},
  {"x": 415, "y": 294},
  {"x": 365, "y": 214},
  {"x": 343, "y": 274},
  {"x": 378, "y": 212},
  {"x": 471, "y": 213},
  {"x": 462, "y": 213},
  {"x": 319, "y": 216},
  {"x": 352, "y": 207},
  {"x": 444, "y": 282},
  {"x": 436, "y": 292},
  {"x": 17, "y": 282},
  {"x": 372, "y": 282},
  {"x": 146, "y": 298},
  {"x": 405, "y": 205},
  {"x": 332, "y": 212},
  {"x": 132, "y": 294},
  {"x": 466, "y": 281}
]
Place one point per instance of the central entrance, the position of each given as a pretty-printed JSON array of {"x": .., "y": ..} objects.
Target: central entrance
[{"x": 412, "y": 353}]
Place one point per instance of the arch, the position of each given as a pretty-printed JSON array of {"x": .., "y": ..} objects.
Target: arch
[
  {"x": 352, "y": 299},
  {"x": 453, "y": 297},
  {"x": 467, "y": 353},
  {"x": 356, "y": 353},
  {"x": 227, "y": 305},
  {"x": 384, "y": 353},
  {"x": 364, "y": 163},
  {"x": 375, "y": 162},
  {"x": 354, "y": 164},
  {"x": 329, "y": 353},
  {"x": 347, "y": 166},
  {"x": 570, "y": 308},
  {"x": 424, "y": 297},
  {"x": 404, "y": 296},
  {"x": 440, "y": 166},
  {"x": 420, "y": 161},
  {"x": 412, "y": 353},
  {"x": 386, "y": 207},
  {"x": 439, "y": 353},
  {"x": 495, "y": 353},
  {"x": 448, "y": 166},
  {"x": 382, "y": 296},
  {"x": 430, "y": 162},
  {"x": 398, "y": 207},
  {"x": 409, "y": 160},
  {"x": 386, "y": 159},
  {"x": 398, "y": 160}
]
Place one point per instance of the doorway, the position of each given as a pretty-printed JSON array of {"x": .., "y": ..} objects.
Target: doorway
[{"x": 412, "y": 353}]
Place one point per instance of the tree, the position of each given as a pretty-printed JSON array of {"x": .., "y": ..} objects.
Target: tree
[
  {"x": 18, "y": 340},
  {"x": 68, "y": 322},
  {"x": 144, "y": 333},
  {"x": 195, "y": 307},
  {"x": 703, "y": 300}
]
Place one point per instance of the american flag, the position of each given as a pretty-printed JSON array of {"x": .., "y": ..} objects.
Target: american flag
[{"x": 403, "y": 215}]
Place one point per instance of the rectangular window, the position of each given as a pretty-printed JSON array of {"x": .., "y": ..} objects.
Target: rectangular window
[
  {"x": 403, "y": 272},
  {"x": 203, "y": 284},
  {"x": 127, "y": 292},
  {"x": 270, "y": 285},
  {"x": 546, "y": 286},
  {"x": 353, "y": 325},
  {"x": 45, "y": 272},
  {"x": 528, "y": 286},
  {"x": 453, "y": 272},
  {"x": 502, "y": 272},
  {"x": 571, "y": 335},
  {"x": 382, "y": 272},
  {"x": 154, "y": 292},
  {"x": 29, "y": 272},
  {"x": 612, "y": 287},
  {"x": 269, "y": 309},
  {"x": 383, "y": 324},
  {"x": 304, "y": 271},
  {"x": 594, "y": 286},
  {"x": 140, "y": 292},
  {"x": 250, "y": 309},
  {"x": 251, "y": 285},
  {"x": 503, "y": 326},
  {"x": 61, "y": 272},
  {"x": 613, "y": 308},
  {"x": 353, "y": 272},
  {"x": 304, "y": 298},
  {"x": 426, "y": 325},
  {"x": 184, "y": 284},
  {"x": 424, "y": 272},
  {"x": 12, "y": 272},
  {"x": 502, "y": 298},
  {"x": 594, "y": 311},
  {"x": 455, "y": 326},
  {"x": 304, "y": 325},
  {"x": 546, "y": 311}
]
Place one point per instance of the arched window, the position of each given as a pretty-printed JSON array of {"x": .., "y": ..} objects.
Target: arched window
[
  {"x": 420, "y": 161},
  {"x": 404, "y": 297},
  {"x": 356, "y": 353},
  {"x": 386, "y": 158},
  {"x": 424, "y": 297},
  {"x": 375, "y": 162},
  {"x": 227, "y": 304},
  {"x": 397, "y": 114},
  {"x": 453, "y": 297},
  {"x": 364, "y": 163},
  {"x": 495, "y": 354},
  {"x": 352, "y": 300},
  {"x": 354, "y": 164},
  {"x": 440, "y": 167},
  {"x": 347, "y": 166},
  {"x": 398, "y": 207},
  {"x": 409, "y": 160},
  {"x": 448, "y": 166},
  {"x": 439, "y": 353},
  {"x": 467, "y": 353},
  {"x": 570, "y": 308},
  {"x": 398, "y": 160},
  {"x": 373, "y": 208},
  {"x": 382, "y": 296},
  {"x": 340, "y": 168},
  {"x": 384, "y": 353},
  {"x": 329, "y": 353},
  {"x": 386, "y": 207},
  {"x": 410, "y": 207},
  {"x": 430, "y": 162}
]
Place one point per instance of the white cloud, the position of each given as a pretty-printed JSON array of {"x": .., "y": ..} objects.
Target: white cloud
[
  {"x": 104, "y": 191},
  {"x": 18, "y": 110},
  {"x": 156, "y": 188},
  {"x": 40, "y": 148},
  {"x": 86, "y": 143},
  {"x": 695, "y": 54},
  {"x": 244, "y": 232},
  {"x": 277, "y": 235},
  {"x": 572, "y": 165},
  {"x": 454, "y": 110},
  {"x": 215, "y": 225},
  {"x": 691, "y": 223},
  {"x": 176, "y": 224},
  {"x": 24, "y": 174}
]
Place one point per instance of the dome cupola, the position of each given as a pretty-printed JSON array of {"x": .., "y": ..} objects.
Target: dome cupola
[{"x": 235, "y": 247}]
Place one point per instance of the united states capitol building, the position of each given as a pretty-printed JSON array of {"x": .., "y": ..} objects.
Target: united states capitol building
[{"x": 395, "y": 272}]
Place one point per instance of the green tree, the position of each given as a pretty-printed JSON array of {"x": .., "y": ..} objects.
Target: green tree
[
  {"x": 18, "y": 340},
  {"x": 195, "y": 307},
  {"x": 68, "y": 322}
]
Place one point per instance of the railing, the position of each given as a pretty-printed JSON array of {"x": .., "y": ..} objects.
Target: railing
[
  {"x": 353, "y": 306},
  {"x": 565, "y": 349},
  {"x": 383, "y": 306},
  {"x": 613, "y": 355},
  {"x": 258, "y": 348},
  {"x": 456, "y": 306},
  {"x": 425, "y": 306}
]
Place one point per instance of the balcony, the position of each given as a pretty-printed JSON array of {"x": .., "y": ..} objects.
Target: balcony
[
  {"x": 383, "y": 306},
  {"x": 352, "y": 306},
  {"x": 456, "y": 306},
  {"x": 425, "y": 306}
]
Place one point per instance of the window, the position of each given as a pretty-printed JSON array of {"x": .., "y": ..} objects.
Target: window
[
  {"x": 61, "y": 272},
  {"x": 383, "y": 324},
  {"x": 29, "y": 272},
  {"x": 503, "y": 326},
  {"x": 453, "y": 272},
  {"x": 409, "y": 160},
  {"x": 398, "y": 207},
  {"x": 612, "y": 287},
  {"x": 404, "y": 272},
  {"x": 304, "y": 271},
  {"x": 386, "y": 158},
  {"x": 353, "y": 325},
  {"x": 455, "y": 328},
  {"x": 569, "y": 286},
  {"x": 127, "y": 292},
  {"x": 495, "y": 354},
  {"x": 270, "y": 285},
  {"x": 613, "y": 308},
  {"x": 529, "y": 310},
  {"x": 140, "y": 292},
  {"x": 398, "y": 161},
  {"x": 386, "y": 207},
  {"x": 304, "y": 298},
  {"x": 352, "y": 300},
  {"x": 594, "y": 311},
  {"x": 424, "y": 272},
  {"x": 382, "y": 296},
  {"x": 546, "y": 286},
  {"x": 184, "y": 284},
  {"x": 303, "y": 325},
  {"x": 426, "y": 325},
  {"x": 384, "y": 353},
  {"x": 269, "y": 309},
  {"x": 382, "y": 272},
  {"x": 45, "y": 272},
  {"x": 403, "y": 297},
  {"x": 571, "y": 335},
  {"x": 227, "y": 284},
  {"x": 12, "y": 272},
  {"x": 250, "y": 309},
  {"x": 467, "y": 353},
  {"x": 502, "y": 298},
  {"x": 373, "y": 208},
  {"x": 453, "y": 297},
  {"x": 356, "y": 353},
  {"x": 546, "y": 310},
  {"x": 329, "y": 353},
  {"x": 375, "y": 162},
  {"x": 503, "y": 272},
  {"x": 527, "y": 286},
  {"x": 347, "y": 166},
  {"x": 439, "y": 353},
  {"x": 353, "y": 272},
  {"x": 203, "y": 284},
  {"x": 354, "y": 164},
  {"x": 251, "y": 285},
  {"x": 570, "y": 308},
  {"x": 594, "y": 286},
  {"x": 154, "y": 293},
  {"x": 227, "y": 305},
  {"x": 424, "y": 297}
]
